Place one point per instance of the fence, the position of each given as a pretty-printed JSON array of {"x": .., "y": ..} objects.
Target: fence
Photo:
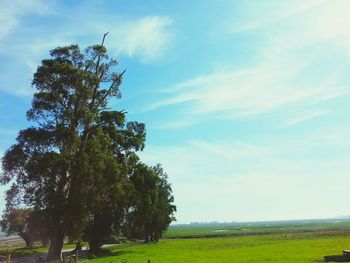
[
  {"x": 81, "y": 255},
  {"x": 6, "y": 259},
  {"x": 68, "y": 257},
  {"x": 123, "y": 245},
  {"x": 75, "y": 256}
]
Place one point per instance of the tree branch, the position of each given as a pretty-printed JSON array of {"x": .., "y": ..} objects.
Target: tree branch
[
  {"x": 96, "y": 72},
  {"x": 93, "y": 59},
  {"x": 110, "y": 88},
  {"x": 99, "y": 54}
]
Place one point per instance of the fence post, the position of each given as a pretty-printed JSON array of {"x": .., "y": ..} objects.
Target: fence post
[
  {"x": 9, "y": 259},
  {"x": 76, "y": 256}
]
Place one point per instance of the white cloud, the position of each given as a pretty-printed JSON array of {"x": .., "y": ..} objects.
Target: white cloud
[
  {"x": 287, "y": 26},
  {"x": 11, "y": 12},
  {"x": 254, "y": 18},
  {"x": 177, "y": 124},
  {"x": 20, "y": 53},
  {"x": 275, "y": 178},
  {"x": 298, "y": 47},
  {"x": 261, "y": 89},
  {"x": 146, "y": 38},
  {"x": 304, "y": 117},
  {"x": 326, "y": 23}
]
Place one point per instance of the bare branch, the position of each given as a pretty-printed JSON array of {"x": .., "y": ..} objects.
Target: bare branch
[
  {"x": 96, "y": 72},
  {"x": 103, "y": 39},
  {"x": 110, "y": 88},
  {"x": 99, "y": 53}
]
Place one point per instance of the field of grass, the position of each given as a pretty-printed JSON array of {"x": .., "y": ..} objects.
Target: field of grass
[
  {"x": 293, "y": 248},
  {"x": 255, "y": 227},
  {"x": 18, "y": 249},
  {"x": 288, "y": 241}
]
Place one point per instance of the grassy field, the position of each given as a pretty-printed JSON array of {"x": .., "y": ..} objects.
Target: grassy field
[
  {"x": 286, "y": 241},
  {"x": 296, "y": 248},
  {"x": 256, "y": 227},
  {"x": 18, "y": 249}
]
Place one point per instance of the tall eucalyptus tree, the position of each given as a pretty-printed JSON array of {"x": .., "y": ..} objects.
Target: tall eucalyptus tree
[{"x": 75, "y": 156}]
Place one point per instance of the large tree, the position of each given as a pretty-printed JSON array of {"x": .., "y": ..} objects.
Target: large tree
[
  {"x": 15, "y": 221},
  {"x": 77, "y": 149},
  {"x": 152, "y": 209},
  {"x": 26, "y": 223},
  {"x": 108, "y": 203}
]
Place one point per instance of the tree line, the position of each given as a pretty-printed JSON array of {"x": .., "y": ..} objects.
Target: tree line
[{"x": 76, "y": 171}]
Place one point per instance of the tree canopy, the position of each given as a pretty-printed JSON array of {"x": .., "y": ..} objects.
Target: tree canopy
[
  {"x": 152, "y": 210},
  {"x": 75, "y": 163}
]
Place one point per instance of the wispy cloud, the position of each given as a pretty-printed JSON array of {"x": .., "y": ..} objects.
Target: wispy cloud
[
  {"x": 325, "y": 24},
  {"x": 11, "y": 12},
  {"x": 177, "y": 124},
  {"x": 145, "y": 38},
  {"x": 290, "y": 71},
  {"x": 261, "y": 89},
  {"x": 276, "y": 176},
  {"x": 304, "y": 117},
  {"x": 278, "y": 12}
]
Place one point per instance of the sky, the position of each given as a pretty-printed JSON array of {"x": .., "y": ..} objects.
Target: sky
[{"x": 246, "y": 103}]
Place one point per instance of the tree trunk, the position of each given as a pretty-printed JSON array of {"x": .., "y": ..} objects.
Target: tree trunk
[
  {"x": 147, "y": 238},
  {"x": 55, "y": 249},
  {"x": 44, "y": 241},
  {"x": 29, "y": 243},
  {"x": 27, "y": 240},
  {"x": 71, "y": 239},
  {"x": 95, "y": 247}
]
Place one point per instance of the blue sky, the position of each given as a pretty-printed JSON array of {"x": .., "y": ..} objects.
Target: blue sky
[{"x": 246, "y": 103}]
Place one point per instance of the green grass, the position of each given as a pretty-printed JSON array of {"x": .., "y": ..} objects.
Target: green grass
[
  {"x": 296, "y": 248},
  {"x": 260, "y": 227},
  {"x": 270, "y": 246},
  {"x": 18, "y": 250}
]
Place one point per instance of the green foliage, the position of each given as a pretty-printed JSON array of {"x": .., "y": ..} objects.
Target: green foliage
[
  {"x": 73, "y": 165},
  {"x": 26, "y": 223},
  {"x": 152, "y": 210},
  {"x": 15, "y": 221}
]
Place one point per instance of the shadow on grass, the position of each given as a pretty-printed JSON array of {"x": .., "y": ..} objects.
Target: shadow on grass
[
  {"x": 103, "y": 253},
  {"x": 23, "y": 251},
  {"x": 109, "y": 253}
]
